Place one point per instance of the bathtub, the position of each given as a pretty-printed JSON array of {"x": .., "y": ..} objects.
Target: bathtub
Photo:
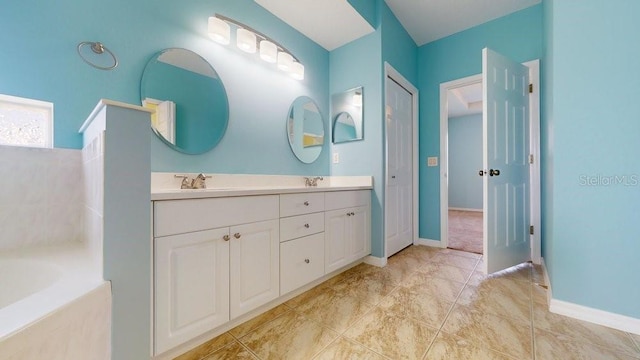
[{"x": 50, "y": 298}]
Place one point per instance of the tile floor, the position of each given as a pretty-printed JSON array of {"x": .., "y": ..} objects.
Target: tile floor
[{"x": 426, "y": 303}]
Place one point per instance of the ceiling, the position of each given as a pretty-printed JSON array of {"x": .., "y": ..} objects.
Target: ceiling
[
  {"x": 465, "y": 100},
  {"x": 333, "y": 23}
]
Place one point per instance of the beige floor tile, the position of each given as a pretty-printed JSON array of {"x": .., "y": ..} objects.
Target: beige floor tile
[
  {"x": 289, "y": 336},
  {"x": 517, "y": 308},
  {"x": 537, "y": 275},
  {"x": 308, "y": 295},
  {"x": 636, "y": 338},
  {"x": 428, "y": 309},
  {"x": 370, "y": 288},
  {"x": 423, "y": 283},
  {"x": 398, "y": 272},
  {"x": 450, "y": 347},
  {"x": 343, "y": 348},
  {"x": 498, "y": 333},
  {"x": 477, "y": 278},
  {"x": 520, "y": 272},
  {"x": 392, "y": 336},
  {"x": 515, "y": 289},
  {"x": 583, "y": 331},
  {"x": 334, "y": 309},
  {"x": 445, "y": 271},
  {"x": 259, "y": 320},
  {"x": 410, "y": 260},
  {"x": 539, "y": 295},
  {"x": 553, "y": 346},
  {"x": 231, "y": 351},
  {"x": 207, "y": 348},
  {"x": 454, "y": 260}
]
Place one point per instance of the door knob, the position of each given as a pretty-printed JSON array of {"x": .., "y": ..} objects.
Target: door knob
[
  {"x": 306, "y": 203},
  {"x": 307, "y": 261},
  {"x": 306, "y": 226},
  {"x": 481, "y": 172},
  {"x": 225, "y": 238},
  {"x": 236, "y": 235},
  {"x": 495, "y": 172}
]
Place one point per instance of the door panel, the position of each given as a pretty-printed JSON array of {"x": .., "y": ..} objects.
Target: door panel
[
  {"x": 399, "y": 182},
  {"x": 506, "y": 149},
  {"x": 336, "y": 240}
]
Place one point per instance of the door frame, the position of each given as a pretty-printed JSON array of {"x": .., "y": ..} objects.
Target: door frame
[
  {"x": 534, "y": 115},
  {"x": 392, "y": 73}
]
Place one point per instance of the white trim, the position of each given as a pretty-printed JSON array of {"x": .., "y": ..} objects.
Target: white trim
[
  {"x": 534, "y": 174},
  {"x": 376, "y": 261},
  {"x": 585, "y": 313},
  {"x": 429, "y": 242},
  {"x": 596, "y": 316},
  {"x": 444, "y": 157},
  {"x": 465, "y": 209},
  {"x": 390, "y": 72}
]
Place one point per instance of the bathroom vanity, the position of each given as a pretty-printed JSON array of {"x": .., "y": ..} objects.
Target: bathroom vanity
[{"x": 225, "y": 253}]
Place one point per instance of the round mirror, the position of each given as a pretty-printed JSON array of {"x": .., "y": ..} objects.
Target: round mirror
[
  {"x": 305, "y": 129},
  {"x": 191, "y": 111}
]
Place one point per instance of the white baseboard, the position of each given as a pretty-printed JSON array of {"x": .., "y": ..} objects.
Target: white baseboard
[
  {"x": 585, "y": 313},
  {"x": 465, "y": 209},
  {"x": 429, "y": 242},
  {"x": 375, "y": 261}
]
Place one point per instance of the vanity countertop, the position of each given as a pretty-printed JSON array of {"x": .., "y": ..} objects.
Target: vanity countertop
[{"x": 166, "y": 186}]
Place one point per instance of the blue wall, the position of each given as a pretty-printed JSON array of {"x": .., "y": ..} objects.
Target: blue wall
[
  {"x": 361, "y": 63},
  {"x": 592, "y": 249},
  {"x": 40, "y": 61},
  {"x": 465, "y": 159},
  {"x": 518, "y": 36}
]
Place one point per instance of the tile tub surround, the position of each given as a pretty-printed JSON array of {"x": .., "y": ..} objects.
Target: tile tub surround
[
  {"x": 41, "y": 196},
  {"x": 394, "y": 313}
]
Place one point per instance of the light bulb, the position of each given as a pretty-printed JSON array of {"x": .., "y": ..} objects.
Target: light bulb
[
  {"x": 268, "y": 51},
  {"x": 246, "y": 40},
  {"x": 297, "y": 71},
  {"x": 219, "y": 30},
  {"x": 285, "y": 61}
]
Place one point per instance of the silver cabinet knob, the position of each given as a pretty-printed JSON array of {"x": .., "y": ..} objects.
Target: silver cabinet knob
[
  {"x": 307, "y": 261},
  {"x": 352, "y": 213},
  {"x": 237, "y": 235},
  {"x": 306, "y": 203},
  {"x": 226, "y": 238},
  {"x": 306, "y": 225},
  {"x": 348, "y": 214}
]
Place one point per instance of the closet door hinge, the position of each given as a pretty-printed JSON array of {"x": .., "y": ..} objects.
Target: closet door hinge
[
  {"x": 531, "y": 230},
  {"x": 530, "y": 158},
  {"x": 530, "y": 88}
]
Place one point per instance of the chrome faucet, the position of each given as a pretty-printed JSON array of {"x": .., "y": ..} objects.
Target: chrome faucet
[
  {"x": 199, "y": 182},
  {"x": 308, "y": 181}
]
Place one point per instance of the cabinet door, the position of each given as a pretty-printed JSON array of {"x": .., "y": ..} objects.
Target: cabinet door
[
  {"x": 336, "y": 240},
  {"x": 255, "y": 264},
  {"x": 191, "y": 286},
  {"x": 358, "y": 229}
]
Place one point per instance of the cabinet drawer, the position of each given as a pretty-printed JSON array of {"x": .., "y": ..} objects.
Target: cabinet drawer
[
  {"x": 344, "y": 199},
  {"x": 182, "y": 216},
  {"x": 301, "y": 261},
  {"x": 298, "y": 204},
  {"x": 301, "y": 225}
]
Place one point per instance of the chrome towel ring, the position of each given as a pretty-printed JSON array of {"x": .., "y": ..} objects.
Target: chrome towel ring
[{"x": 99, "y": 49}]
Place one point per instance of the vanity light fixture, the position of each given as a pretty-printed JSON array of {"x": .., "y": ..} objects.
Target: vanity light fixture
[
  {"x": 250, "y": 41},
  {"x": 357, "y": 99}
]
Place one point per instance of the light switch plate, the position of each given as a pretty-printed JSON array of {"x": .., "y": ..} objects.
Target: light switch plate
[
  {"x": 432, "y": 161},
  {"x": 336, "y": 158}
]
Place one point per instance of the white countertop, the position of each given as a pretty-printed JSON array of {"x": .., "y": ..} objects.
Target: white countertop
[{"x": 165, "y": 186}]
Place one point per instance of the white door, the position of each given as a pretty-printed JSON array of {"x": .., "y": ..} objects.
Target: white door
[
  {"x": 336, "y": 241},
  {"x": 255, "y": 265},
  {"x": 399, "y": 188},
  {"x": 191, "y": 286},
  {"x": 359, "y": 232},
  {"x": 505, "y": 159}
]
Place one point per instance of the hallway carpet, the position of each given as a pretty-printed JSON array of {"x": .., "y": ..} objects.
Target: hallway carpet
[{"x": 465, "y": 231}]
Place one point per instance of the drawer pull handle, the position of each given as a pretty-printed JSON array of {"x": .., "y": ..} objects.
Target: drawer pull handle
[
  {"x": 306, "y": 225},
  {"x": 307, "y": 261},
  {"x": 306, "y": 203},
  {"x": 226, "y": 238},
  {"x": 237, "y": 235},
  {"x": 352, "y": 213},
  {"x": 348, "y": 214}
]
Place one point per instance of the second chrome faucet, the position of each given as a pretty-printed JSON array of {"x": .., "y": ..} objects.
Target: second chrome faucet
[
  {"x": 199, "y": 182},
  {"x": 312, "y": 181}
]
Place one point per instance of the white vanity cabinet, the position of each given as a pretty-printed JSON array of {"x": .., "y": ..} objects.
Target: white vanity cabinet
[
  {"x": 215, "y": 259},
  {"x": 347, "y": 228},
  {"x": 302, "y": 239}
]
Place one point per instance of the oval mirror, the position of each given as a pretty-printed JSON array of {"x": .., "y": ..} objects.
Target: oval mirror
[
  {"x": 348, "y": 124},
  {"x": 191, "y": 110},
  {"x": 305, "y": 129}
]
